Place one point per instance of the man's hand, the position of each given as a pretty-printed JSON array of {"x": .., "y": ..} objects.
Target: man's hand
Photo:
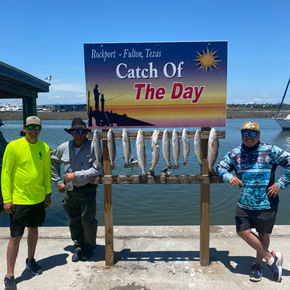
[
  {"x": 69, "y": 176},
  {"x": 273, "y": 190},
  {"x": 61, "y": 188},
  {"x": 47, "y": 201},
  {"x": 9, "y": 207},
  {"x": 235, "y": 181}
]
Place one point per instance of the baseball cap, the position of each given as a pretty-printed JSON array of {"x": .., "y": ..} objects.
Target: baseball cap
[
  {"x": 1, "y": 123},
  {"x": 249, "y": 125},
  {"x": 32, "y": 120}
]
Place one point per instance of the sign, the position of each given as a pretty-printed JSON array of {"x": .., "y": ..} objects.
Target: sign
[{"x": 156, "y": 85}]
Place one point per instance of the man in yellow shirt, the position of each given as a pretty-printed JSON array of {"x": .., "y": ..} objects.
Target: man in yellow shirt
[{"x": 26, "y": 189}]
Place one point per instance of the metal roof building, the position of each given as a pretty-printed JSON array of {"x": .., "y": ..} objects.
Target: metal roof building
[{"x": 15, "y": 84}]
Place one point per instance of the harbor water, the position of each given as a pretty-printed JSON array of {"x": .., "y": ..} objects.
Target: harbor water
[{"x": 162, "y": 204}]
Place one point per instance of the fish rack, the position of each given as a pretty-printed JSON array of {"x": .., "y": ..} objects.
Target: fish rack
[{"x": 204, "y": 179}]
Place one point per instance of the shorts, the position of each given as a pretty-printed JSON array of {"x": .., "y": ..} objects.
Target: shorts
[
  {"x": 262, "y": 220},
  {"x": 26, "y": 215}
]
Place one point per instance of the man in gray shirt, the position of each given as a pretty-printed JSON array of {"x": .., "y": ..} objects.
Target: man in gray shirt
[{"x": 79, "y": 202}]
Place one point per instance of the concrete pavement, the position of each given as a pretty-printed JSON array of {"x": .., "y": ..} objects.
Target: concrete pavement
[{"x": 147, "y": 257}]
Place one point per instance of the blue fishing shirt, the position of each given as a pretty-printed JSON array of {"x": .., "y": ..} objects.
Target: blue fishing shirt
[{"x": 256, "y": 167}]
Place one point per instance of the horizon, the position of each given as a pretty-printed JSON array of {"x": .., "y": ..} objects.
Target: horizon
[{"x": 49, "y": 40}]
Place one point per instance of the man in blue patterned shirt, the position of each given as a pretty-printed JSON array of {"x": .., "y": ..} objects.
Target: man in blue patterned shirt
[{"x": 254, "y": 163}]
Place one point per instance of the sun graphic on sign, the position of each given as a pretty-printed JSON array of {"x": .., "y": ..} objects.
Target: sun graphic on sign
[{"x": 207, "y": 60}]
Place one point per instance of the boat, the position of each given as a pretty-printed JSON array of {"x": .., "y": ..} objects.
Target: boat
[{"x": 284, "y": 122}]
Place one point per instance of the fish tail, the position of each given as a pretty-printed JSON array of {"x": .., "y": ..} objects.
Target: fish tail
[
  {"x": 127, "y": 165},
  {"x": 152, "y": 171},
  {"x": 211, "y": 171},
  {"x": 113, "y": 166},
  {"x": 184, "y": 163},
  {"x": 176, "y": 166}
]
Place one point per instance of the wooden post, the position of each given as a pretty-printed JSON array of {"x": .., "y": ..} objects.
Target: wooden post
[
  {"x": 204, "y": 206},
  {"x": 108, "y": 207}
]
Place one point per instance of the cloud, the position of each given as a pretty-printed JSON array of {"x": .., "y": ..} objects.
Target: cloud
[
  {"x": 60, "y": 98},
  {"x": 67, "y": 87}
]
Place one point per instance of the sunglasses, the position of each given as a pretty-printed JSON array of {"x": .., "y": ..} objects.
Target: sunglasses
[
  {"x": 252, "y": 134},
  {"x": 36, "y": 127},
  {"x": 80, "y": 131}
]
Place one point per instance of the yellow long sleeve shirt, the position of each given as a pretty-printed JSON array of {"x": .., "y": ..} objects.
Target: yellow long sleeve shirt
[{"x": 26, "y": 172}]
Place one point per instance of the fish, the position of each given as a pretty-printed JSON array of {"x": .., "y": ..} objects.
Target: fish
[
  {"x": 97, "y": 148},
  {"x": 111, "y": 148},
  {"x": 126, "y": 148},
  {"x": 197, "y": 146},
  {"x": 185, "y": 146},
  {"x": 164, "y": 170},
  {"x": 212, "y": 150},
  {"x": 166, "y": 148},
  {"x": 154, "y": 150},
  {"x": 134, "y": 162},
  {"x": 140, "y": 149},
  {"x": 175, "y": 149}
]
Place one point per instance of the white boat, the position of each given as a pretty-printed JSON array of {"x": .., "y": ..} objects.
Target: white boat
[{"x": 283, "y": 122}]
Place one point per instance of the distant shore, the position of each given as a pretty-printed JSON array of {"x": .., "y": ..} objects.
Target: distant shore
[{"x": 70, "y": 115}]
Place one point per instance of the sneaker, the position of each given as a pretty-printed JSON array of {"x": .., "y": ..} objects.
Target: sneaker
[
  {"x": 33, "y": 267},
  {"x": 77, "y": 255},
  {"x": 256, "y": 273},
  {"x": 87, "y": 254},
  {"x": 279, "y": 256},
  {"x": 9, "y": 283},
  {"x": 276, "y": 267}
]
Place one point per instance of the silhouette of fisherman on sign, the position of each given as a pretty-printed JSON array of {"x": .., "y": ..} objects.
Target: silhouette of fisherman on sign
[
  {"x": 97, "y": 97},
  {"x": 103, "y": 102}
]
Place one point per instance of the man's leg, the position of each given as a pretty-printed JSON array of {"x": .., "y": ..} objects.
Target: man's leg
[
  {"x": 32, "y": 238},
  {"x": 256, "y": 243},
  {"x": 266, "y": 241},
  {"x": 89, "y": 222},
  {"x": 12, "y": 252}
]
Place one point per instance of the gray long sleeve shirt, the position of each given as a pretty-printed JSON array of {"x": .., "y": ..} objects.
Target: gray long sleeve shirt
[{"x": 83, "y": 164}]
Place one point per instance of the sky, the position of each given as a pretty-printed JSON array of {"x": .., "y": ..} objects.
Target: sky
[{"x": 46, "y": 38}]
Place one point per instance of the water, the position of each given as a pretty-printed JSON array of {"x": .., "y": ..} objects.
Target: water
[{"x": 169, "y": 204}]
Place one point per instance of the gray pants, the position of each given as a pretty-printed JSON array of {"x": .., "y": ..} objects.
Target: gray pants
[{"x": 80, "y": 206}]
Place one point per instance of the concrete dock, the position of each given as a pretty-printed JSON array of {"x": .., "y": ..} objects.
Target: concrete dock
[{"x": 147, "y": 257}]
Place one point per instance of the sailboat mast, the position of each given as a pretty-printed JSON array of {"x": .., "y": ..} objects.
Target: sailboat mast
[{"x": 283, "y": 97}]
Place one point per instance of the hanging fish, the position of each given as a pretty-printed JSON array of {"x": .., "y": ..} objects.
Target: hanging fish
[
  {"x": 166, "y": 148},
  {"x": 126, "y": 148},
  {"x": 185, "y": 146},
  {"x": 111, "y": 148},
  {"x": 175, "y": 149},
  {"x": 140, "y": 149},
  {"x": 97, "y": 148},
  {"x": 212, "y": 150},
  {"x": 197, "y": 146},
  {"x": 154, "y": 150}
]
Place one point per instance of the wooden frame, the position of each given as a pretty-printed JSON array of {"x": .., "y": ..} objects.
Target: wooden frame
[{"x": 204, "y": 179}]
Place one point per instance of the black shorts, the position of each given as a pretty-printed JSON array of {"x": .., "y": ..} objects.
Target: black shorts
[
  {"x": 262, "y": 220},
  {"x": 26, "y": 215}
]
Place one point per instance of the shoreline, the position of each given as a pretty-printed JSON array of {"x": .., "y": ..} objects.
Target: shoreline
[{"x": 14, "y": 116}]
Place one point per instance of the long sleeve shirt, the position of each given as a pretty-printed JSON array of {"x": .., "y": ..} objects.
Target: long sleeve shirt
[
  {"x": 256, "y": 169},
  {"x": 83, "y": 164},
  {"x": 26, "y": 172}
]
